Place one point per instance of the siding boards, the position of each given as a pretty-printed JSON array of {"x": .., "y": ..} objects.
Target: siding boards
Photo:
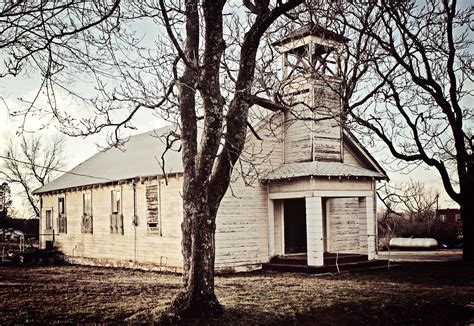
[
  {"x": 136, "y": 244},
  {"x": 242, "y": 220},
  {"x": 343, "y": 220},
  {"x": 327, "y": 132},
  {"x": 351, "y": 159},
  {"x": 312, "y": 130}
]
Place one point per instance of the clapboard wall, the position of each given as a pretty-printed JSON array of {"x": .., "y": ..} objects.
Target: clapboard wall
[
  {"x": 137, "y": 244},
  {"x": 242, "y": 222},
  {"x": 343, "y": 225},
  {"x": 312, "y": 126}
]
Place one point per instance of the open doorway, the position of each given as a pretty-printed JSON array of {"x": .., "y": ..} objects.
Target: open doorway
[{"x": 295, "y": 226}]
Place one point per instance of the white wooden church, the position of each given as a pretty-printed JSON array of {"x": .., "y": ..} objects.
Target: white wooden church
[{"x": 311, "y": 193}]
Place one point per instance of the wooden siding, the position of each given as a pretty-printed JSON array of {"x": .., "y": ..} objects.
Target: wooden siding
[
  {"x": 351, "y": 159},
  {"x": 343, "y": 225},
  {"x": 307, "y": 184},
  {"x": 328, "y": 132},
  {"x": 242, "y": 235},
  {"x": 136, "y": 244},
  {"x": 298, "y": 124},
  {"x": 312, "y": 129}
]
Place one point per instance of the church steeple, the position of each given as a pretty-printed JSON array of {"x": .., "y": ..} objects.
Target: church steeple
[
  {"x": 312, "y": 84},
  {"x": 311, "y": 49}
]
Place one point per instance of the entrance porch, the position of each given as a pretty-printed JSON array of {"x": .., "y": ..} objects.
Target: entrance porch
[{"x": 321, "y": 229}]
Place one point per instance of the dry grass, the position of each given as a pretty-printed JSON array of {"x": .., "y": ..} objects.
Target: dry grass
[{"x": 428, "y": 293}]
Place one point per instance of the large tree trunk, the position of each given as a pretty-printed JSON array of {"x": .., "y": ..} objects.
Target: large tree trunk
[
  {"x": 208, "y": 170},
  {"x": 197, "y": 297}
]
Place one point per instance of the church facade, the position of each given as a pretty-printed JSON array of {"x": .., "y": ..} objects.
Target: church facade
[{"x": 304, "y": 184}]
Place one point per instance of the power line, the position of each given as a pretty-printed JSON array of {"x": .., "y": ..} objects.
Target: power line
[{"x": 54, "y": 169}]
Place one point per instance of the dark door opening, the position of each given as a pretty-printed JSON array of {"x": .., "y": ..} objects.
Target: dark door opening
[{"x": 295, "y": 226}]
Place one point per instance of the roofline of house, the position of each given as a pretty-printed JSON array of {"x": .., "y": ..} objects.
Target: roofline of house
[
  {"x": 312, "y": 30},
  {"x": 353, "y": 140},
  {"x": 137, "y": 179},
  {"x": 339, "y": 177}
]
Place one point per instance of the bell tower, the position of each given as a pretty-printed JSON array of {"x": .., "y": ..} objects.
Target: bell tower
[{"x": 311, "y": 85}]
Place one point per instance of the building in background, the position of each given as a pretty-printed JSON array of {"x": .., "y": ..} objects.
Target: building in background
[{"x": 451, "y": 217}]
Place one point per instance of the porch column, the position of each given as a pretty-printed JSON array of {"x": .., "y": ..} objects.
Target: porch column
[
  {"x": 367, "y": 222},
  {"x": 271, "y": 229},
  {"x": 314, "y": 231}
]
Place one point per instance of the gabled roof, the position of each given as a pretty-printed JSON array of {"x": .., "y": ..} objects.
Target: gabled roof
[
  {"x": 139, "y": 157},
  {"x": 321, "y": 169},
  {"x": 362, "y": 153}
]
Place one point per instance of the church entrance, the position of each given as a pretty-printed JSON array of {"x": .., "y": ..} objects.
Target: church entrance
[{"x": 295, "y": 226}]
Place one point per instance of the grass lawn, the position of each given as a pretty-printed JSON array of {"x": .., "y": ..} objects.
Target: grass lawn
[{"x": 422, "y": 293}]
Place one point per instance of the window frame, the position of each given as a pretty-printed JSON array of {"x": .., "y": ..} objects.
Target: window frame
[
  {"x": 153, "y": 219},
  {"x": 116, "y": 201},
  {"x": 89, "y": 211},
  {"x": 48, "y": 219},
  {"x": 457, "y": 217},
  {"x": 63, "y": 210}
]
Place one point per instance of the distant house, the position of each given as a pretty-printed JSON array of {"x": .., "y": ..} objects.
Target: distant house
[
  {"x": 304, "y": 185},
  {"x": 451, "y": 218}
]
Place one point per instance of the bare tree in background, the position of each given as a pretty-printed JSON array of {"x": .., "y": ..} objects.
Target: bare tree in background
[
  {"x": 409, "y": 82},
  {"x": 40, "y": 38},
  {"x": 32, "y": 164},
  {"x": 413, "y": 199},
  {"x": 5, "y": 201},
  {"x": 411, "y": 212}
]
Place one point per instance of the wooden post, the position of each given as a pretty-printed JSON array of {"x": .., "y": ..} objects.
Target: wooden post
[
  {"x": 271, "y": 229},
  {"x": 366, "y": 211},
  {"x": 314, "y": 231}
]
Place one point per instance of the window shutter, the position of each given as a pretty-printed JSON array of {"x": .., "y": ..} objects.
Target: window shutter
[
  {"x": 152, "y": 213},
  {"x": 116, "y": 223}
]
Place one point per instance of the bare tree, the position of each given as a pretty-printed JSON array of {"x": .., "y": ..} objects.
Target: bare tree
[
  {"x": 208, "y": 163},
  {"x": 41, "y": 38},
  {"x": 5, "y": 201},
  {"x": 31, "y": 165},
  {"x": 184, "y": 77},
  {"x": 412, "y": 200},
  {"x": 409, "y": 82}
]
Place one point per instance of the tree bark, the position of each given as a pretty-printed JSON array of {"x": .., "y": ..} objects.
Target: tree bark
[{"x": 197, "y": 298}]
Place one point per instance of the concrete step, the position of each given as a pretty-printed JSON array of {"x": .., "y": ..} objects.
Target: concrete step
[
  {"x": 345, "y": 259},
  {"x": 328, "y": 259},
  {"x": 354, "y": 266}
]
